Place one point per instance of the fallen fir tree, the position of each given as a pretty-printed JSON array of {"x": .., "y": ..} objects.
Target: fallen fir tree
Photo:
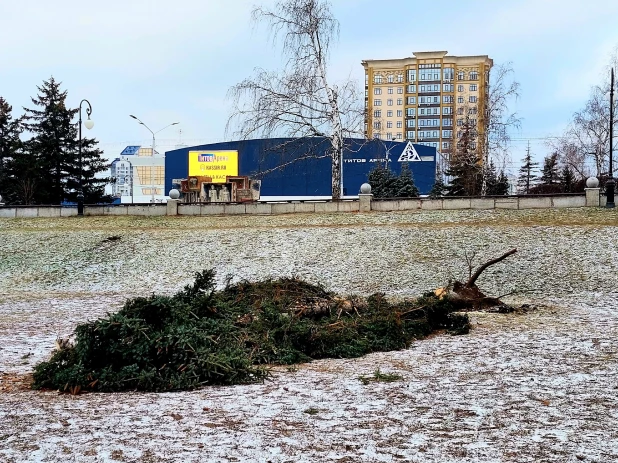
[{"x": 201, "y": 336}]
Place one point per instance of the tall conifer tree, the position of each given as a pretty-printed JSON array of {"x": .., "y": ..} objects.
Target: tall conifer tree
[
  {"x": 10, "y": 144},
  {"x": 55, "y": 146}
]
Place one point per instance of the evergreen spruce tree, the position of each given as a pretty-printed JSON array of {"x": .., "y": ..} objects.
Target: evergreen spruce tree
[
  {"x": 527, "y": 177},
  {"x": 567, "y": 179},
  {"x": 404, "y": 186},
  {"x": 382, "y": 181},
  {"x": 550, "y": 177},
  {"x": 501, "y": 188},
  {"x": 438, "y": 189},
  {"x": 10, "y": 146},
  {"x": 55, "y": 147},
  {"x": 53, "y": 142},
  {"x": 491, "y": 178},
  {"x": 464, "y": 168}
]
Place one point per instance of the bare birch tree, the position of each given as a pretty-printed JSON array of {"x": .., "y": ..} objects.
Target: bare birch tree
[
  {"x": 300, "y": 101},
  {"x": 586, "y": 139},
  {"x": 502, "y": 90}
]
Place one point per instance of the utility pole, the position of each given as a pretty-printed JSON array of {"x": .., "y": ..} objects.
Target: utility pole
[{"x": 609, "y": 186}]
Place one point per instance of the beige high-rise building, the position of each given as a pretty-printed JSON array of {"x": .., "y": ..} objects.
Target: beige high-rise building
[{"x": 426, "y": 98}]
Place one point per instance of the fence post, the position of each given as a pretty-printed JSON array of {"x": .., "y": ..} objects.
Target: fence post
[{"x": 365, "y": 202}]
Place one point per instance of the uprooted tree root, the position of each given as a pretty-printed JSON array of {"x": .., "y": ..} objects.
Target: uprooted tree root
[
  {"x": 201, "y": 336},
  {"x": 467, "y": 296}
]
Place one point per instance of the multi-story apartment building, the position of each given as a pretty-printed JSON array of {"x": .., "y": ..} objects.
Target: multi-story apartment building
[{"x": 426, "y": 99}]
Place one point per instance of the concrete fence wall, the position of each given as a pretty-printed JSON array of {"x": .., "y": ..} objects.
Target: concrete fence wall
[{"x": 364, "y": 204}]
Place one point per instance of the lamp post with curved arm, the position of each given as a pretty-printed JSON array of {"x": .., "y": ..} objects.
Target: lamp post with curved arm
[
  {"x": 89, "y": 124},
  {"x": 153, "y": 151}
]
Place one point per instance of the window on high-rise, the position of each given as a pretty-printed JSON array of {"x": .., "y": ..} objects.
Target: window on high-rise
[
  {"x": 409, "y": 112},
  {"x": 447, "y": 87},
  {"x": 411, "y": 89},
  {"x": 422, "y": 111},
  {"x": 410, "y": 123},
  {"x": 390, "y": 78},
  {"x": 472, "y": 111},
  {"x": 411, "y": 75},
  {"x": 377, "y": 102},
  {"x": 411, "y": 100},
  {"x": 366, "y": 79},
  {"x": 447, "y": 122},
  {"x": 399, "y": 136},
  {"x": 377, "y": 125},
  {"x": 460, "y": 111},
  {"x": 436, "y": 99},
  {"x": 447, "y": 133},
  {"x": 449, "y": 73},
  {"x": 474, "y": 75},
  {"x": 473, "y": 87},
  {"x": 447, "y": 110},
  {"x": 460, "y": 88},
  {"x": 389, "y": 113},
  {"x": 377, "y": 113},
  {"x": 460, "y": 99},
  {"x": 447, "y": 99},
  {"x": 377, "y": 79},
  {"x": 389, "y": 125},
  {"x": 377, "y": 91},
  {"x": 410, "y": 134},
  {"x": 389, "y": 102},
  {"x": 400, "y": 112},
  {"x": 399, "y": 124},
  {"x": 389, "y": 135},
  {"x": 446, "y": 145},
  {"x": 400, "y": 90},
  {"x": 436, "y": 110},
  {"x": 399, "y": 101},
  {"x": 473, "y": 99},
  {"x": 399, "y": 78},
  {"x": 460, "y": 122},
  {"x": 390, "y": 90}
]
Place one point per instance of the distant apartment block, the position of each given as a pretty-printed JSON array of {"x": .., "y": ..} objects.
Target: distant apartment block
[
  {"x": 425, "y": 99},
  {"x": 138, "y": 175}
]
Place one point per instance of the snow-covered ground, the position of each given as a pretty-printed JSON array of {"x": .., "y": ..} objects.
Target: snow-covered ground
[{"x": 534, "y": 387}]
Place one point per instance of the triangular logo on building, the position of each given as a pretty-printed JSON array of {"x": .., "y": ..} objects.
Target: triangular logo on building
[{"x": 409, "y": 154}]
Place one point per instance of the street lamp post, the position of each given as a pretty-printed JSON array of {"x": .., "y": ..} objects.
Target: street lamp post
[
  {"x": 153, "y": 152},
  {"x": 89, "y": 124},
  {"x": 609, "y": 186}
]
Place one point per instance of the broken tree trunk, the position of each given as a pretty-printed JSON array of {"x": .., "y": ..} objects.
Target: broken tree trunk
[{"x": 467, "y": 296}]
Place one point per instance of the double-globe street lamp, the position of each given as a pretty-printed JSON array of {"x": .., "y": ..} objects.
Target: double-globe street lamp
[
  {"x": 89, "y": 124},
  {"x": 153, "y": 152}
]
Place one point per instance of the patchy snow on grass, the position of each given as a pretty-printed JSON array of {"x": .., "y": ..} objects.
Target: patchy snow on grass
[{"x": 534, "y": 387}]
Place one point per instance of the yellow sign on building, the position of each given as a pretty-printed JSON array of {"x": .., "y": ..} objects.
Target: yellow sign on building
[{"x": 215, "y": 164}]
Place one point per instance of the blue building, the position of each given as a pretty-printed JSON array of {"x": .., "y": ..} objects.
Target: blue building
[{"x": 301, "y": 168}]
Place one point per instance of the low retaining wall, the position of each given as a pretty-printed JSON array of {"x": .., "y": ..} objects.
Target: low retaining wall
[{"x": 384, "y": 205}]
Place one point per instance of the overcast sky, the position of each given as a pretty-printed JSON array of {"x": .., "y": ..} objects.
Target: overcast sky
[{"x": 174, "y": 61}]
